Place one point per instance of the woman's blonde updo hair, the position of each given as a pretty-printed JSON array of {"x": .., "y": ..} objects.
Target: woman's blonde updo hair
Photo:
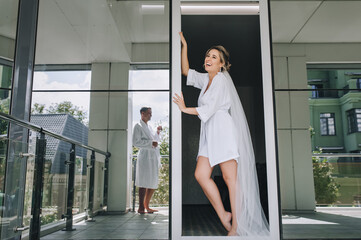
[{"x": 224, "y": 56}]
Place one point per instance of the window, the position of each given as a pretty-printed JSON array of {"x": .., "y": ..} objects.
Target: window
[
  {"x": 317, "y": 94},
  {"x": 354, "y": 120},
  {"x": 327, "y": 122},
  {"x": 359, "y": 83}
]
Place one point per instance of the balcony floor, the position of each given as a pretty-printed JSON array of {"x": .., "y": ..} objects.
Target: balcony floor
[
  {"x": 326, "y": 223},
  {"x": 126, "y": 226}
]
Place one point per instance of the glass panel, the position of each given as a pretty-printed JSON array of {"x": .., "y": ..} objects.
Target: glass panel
[
  {"x": 337, "y": 182},
  {"x": 55, "y": 189},
  {"x": 69, "y": 108},
  {"x": 8, "y": 20},
  {"x": 4, "y": 108},
  {"x": 62, "y": 79},
  {"x": 322, "y": 198},
  {"x": 29, "y": 180},
  {"x": 148, "y": 79},
  {"x": 6, "y": 73},
  {"x": 12, "y": 195},
  {"x": 80, "y": 184},
  {"x": 87, "y": 58}
]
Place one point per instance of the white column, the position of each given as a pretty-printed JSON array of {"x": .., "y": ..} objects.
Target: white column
[
  {"x": 294, "y": 141},
  {"x": 108, "y": 126}
]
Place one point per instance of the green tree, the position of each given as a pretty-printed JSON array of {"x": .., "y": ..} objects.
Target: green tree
[
  {"x": 63, "y": 107},
  {"x": 326, "y": 188},
  {"x": 4, "y": 108},
  {"x": 38, "y": 108},
  {"x": 68, "y": 108}
]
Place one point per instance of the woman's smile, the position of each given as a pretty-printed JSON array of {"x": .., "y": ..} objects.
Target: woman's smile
[{"x": 212, "y": 62}]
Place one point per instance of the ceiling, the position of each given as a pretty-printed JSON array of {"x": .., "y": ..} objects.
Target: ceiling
[{"x": 105, "y": 30}]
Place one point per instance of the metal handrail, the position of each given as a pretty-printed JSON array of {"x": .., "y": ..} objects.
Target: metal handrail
[
  {"x": 37, "y": 128},
  {"x": 336, "y": 155}
]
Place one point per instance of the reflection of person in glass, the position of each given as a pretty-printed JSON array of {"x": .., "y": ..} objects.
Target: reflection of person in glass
[
  {"x": 224, "y": 140},
  {"x": 148, "y": 163}
]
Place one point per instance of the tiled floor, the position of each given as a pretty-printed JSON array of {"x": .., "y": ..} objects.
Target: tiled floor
[
  {"x": 326, "y": 223},
  {"x": 127, "y": 226}
]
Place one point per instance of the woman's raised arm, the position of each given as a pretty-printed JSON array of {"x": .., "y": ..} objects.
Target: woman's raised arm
[{"x": 184, "y": 55}]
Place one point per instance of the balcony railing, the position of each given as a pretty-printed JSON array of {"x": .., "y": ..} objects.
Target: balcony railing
[{"x": 48, "y": 180}]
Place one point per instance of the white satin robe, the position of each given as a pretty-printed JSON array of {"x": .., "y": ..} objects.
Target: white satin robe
[
  {"x": 217, "y": 139},
  {"x": 148, "y": 162}
]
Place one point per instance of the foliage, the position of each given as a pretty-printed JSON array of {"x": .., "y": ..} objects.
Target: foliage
[
  {"x": 312, "y": 131},
  {"x": 49, "y": 218},
  {"x": 4, "y": 108},
  {"x": 63, "y": 107},
  {"x": 38, "y": 108},
  {"x": 326, "y": 188}
]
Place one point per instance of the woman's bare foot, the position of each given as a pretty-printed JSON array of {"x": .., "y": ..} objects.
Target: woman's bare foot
[
  {"x": 232, "y": 233},
  {"x": 226, "y": 221}
]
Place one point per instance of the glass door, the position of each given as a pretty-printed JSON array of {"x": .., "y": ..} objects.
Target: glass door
[{"x": 244, "y": 30}]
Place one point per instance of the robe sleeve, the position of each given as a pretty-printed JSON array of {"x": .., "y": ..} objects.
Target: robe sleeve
[
  {"x": 196, "y": 79},
  {"x": 217, "y": 93},
  {"x": 138, "y": 141}
]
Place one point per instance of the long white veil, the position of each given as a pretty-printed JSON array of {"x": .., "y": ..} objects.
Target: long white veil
[{"x": 251, "y": 221}]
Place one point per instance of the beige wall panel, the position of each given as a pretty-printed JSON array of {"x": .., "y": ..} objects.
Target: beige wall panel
[
  {"x": 286, "y": 170},
  {"x": 150, "y": 52},
  {"x": 100, "y": 76},
  {"x": 7, "y": 47},
  {"x": 119, "y": 76},
  {"x": 300, "y": 114},
  {"x": 297, "y": 72},
  {"x": 118, "y": 111},
  {"x": 282, "y": 110},
  {"x": 302, "y": 158},
  {"x": 98, "y": 110},
  {"x": 118, "y": 177},
  {"x": 280, "y": 70}
]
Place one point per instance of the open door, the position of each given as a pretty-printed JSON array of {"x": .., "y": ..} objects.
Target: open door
[{"x": 243, "y": 28}]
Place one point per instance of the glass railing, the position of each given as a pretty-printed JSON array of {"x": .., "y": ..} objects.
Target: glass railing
[
  {"x": 59, "y": 177},
  {"x": 337, "y": 180}
]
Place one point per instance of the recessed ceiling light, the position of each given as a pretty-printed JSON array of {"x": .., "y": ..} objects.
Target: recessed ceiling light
[
  {"x": 209, "y": 8},
  {"x": 152, "y": 9}
]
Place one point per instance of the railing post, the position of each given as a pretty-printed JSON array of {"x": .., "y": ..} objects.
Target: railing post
[
  {"x": 70, "y": 200},
  {"x": 134, "y": 163},
  {"x": 91, "y": 189},
  {"x": 106, "y": 173},
  {"x": 37, "y": 196}
]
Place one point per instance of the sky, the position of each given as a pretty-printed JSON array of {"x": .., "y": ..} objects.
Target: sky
[{"x": 81, "y": 80}]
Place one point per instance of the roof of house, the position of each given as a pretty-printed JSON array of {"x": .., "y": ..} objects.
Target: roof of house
[{"x": 58, "y": 151}]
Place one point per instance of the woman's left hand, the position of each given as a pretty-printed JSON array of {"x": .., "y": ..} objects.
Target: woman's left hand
[{"x": 179, "y": 100}]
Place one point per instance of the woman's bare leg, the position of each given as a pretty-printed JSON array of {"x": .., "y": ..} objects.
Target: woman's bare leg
[
  {"x": 203, "y": 175},
  {"x": 229, "y": 172}
]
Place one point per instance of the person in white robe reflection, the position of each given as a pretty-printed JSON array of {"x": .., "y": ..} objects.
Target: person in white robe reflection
[
  {"x": 148, "y": 161},
  {"x": 224, "y": 140}
]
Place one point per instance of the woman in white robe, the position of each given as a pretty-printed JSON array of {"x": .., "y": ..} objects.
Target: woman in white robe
[{"x": 225, "y": 143}]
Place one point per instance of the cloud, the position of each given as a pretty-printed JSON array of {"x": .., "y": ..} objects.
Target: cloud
[{"x": 80, "y": 80}]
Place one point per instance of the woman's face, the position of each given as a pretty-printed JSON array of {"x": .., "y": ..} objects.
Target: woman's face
[{"x": 212, "y": 62}]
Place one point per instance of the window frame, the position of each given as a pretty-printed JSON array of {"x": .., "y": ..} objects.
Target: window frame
[
  {"x": 352, "y": 121},
  {"x": 332, "y": 116}
]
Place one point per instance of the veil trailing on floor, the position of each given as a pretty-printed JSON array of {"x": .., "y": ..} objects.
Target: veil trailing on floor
[{"x": 251, "y": 221}]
